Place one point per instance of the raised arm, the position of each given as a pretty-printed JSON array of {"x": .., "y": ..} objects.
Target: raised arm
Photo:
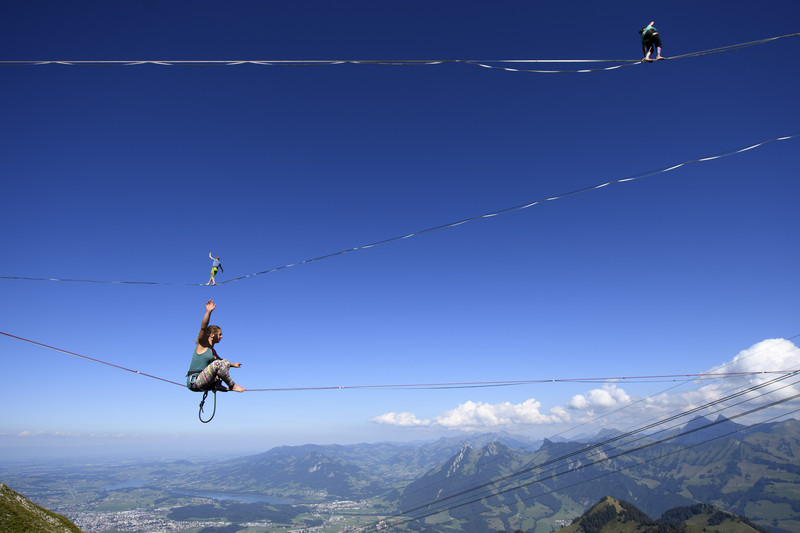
[
  {"x": 210, "y": 305},
  {"x": 210, "y": 256}
]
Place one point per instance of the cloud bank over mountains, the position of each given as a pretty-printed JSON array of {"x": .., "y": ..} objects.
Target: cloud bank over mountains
[{"x": 767, "y": 358}]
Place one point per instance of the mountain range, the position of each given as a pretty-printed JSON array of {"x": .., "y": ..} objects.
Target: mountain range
[
  {"x": 501, "y": 482},
  {"x": 498, "y": 482}
]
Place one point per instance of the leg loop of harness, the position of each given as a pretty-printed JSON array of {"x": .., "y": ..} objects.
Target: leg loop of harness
[{"x": 200, "y": 414}]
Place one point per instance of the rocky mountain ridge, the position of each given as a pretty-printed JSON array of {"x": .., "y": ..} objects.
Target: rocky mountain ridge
[{"x": 20, "y": 515}]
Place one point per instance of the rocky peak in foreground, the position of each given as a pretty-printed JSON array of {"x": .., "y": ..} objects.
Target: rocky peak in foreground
[{"x": 611, "y": 515}]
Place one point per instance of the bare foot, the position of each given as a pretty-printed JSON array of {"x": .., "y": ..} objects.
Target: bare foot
[{"x": 237, "y": 388}]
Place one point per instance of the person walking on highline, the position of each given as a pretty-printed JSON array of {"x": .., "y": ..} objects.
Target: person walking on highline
[
  {"x": 651, "y": 42},
  {"x": 216, "y": 265}
]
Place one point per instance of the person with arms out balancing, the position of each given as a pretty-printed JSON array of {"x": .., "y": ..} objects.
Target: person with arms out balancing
[
  {"x": 216, "y": 265},
  {"x": 650, "y": 42},
  {"x": 208, "y": 370}
]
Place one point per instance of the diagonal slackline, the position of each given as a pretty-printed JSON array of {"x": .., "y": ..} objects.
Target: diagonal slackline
[
  {"x": 451, "y": 385},
  {"x": 89, "y": 358},
  {"x": 491, "y": 64},
  {"x": 443, "y": 226},
  {"x": 520, "y": 207}
]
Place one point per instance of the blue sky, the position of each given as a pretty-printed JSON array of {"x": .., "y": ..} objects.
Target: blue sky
[{"x": 138, "y": 172}]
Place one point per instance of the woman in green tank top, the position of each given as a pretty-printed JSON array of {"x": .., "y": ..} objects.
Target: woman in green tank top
[{"x": 207, "y": 370}]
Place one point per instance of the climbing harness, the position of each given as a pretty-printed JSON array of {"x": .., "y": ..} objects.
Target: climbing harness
[
  {"x": 200, "y": 414},
  {"x": 194, "y": 374}
]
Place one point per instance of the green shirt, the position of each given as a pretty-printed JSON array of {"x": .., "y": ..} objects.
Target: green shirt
[
  {"x": 199, "y": 362},
  {"x": 648, "y": 31}
]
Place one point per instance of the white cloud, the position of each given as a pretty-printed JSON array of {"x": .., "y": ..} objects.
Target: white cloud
[
  {"x": 766, "y": 356},
  {"x": 771, "y": 355},
  {"x": 606, "y": 397},
  {"x": 761, "y": 363},
  {"x": 474, "y": 415},
  {"x": 400, "y": 419},
  {"x": 27, "y": 433},
  {"x": 478, "y": 415}
]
